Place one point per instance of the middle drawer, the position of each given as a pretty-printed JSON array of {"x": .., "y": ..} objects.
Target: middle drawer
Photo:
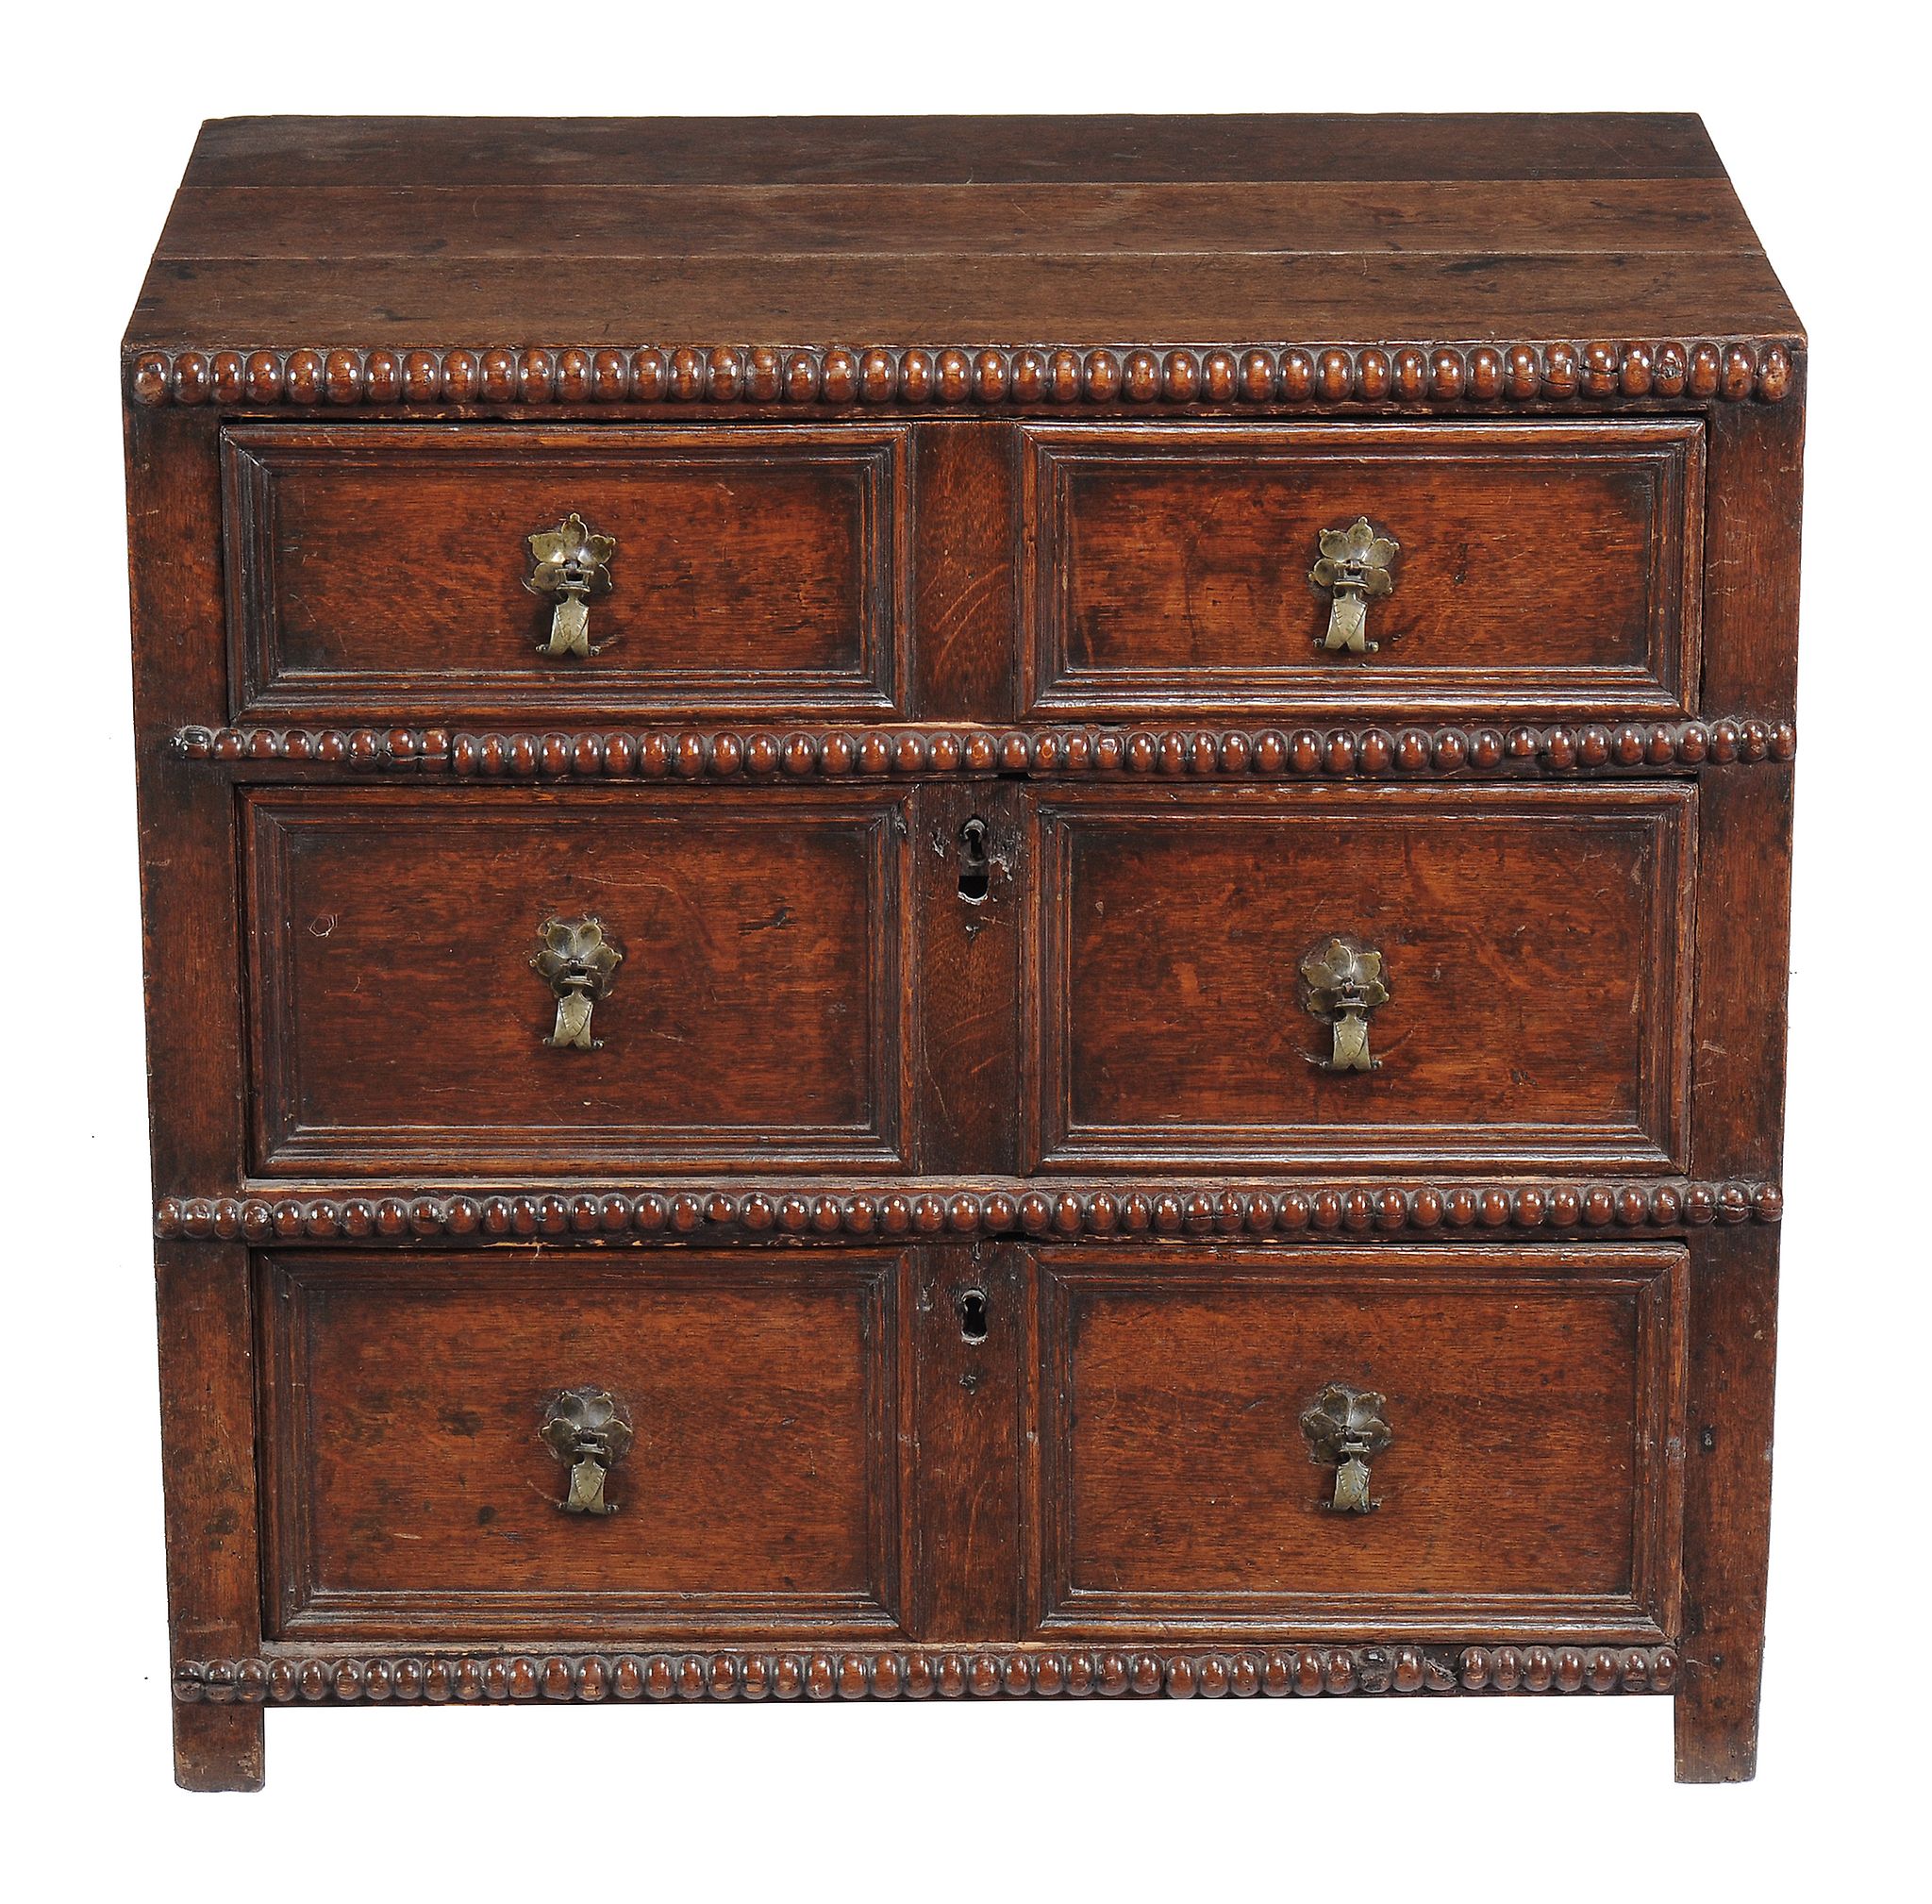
[
  {"x": 509, "y": 980},
  {"x": 1358, "y": 976}
]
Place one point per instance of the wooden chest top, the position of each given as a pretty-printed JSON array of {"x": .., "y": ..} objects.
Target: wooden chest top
[{"x": 966, "y": 232}]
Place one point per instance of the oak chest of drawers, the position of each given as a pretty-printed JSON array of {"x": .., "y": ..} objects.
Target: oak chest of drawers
[{"x": 948, "y": 910}]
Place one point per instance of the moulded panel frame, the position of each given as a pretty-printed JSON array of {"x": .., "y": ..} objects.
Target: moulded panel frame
[
  {"x": 1656, "y": 1142},
  {"x": 300, "y": 1606},
  {"x": 256, "y": 455},
  {"x": 1307, "y": 682},
  {"x": 282, "y": 1146},
  {"x": 1655, "y": 1278}
]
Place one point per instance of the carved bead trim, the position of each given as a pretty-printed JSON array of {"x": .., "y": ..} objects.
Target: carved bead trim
[
  {"x": 1733, "y": 369},
  {"x": 933, "y": 1209},
  {"x": 993, "y": 1672},
  {"x": 1391, "y": 752}
]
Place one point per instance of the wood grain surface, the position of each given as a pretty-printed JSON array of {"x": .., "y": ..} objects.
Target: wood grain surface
[
  {"x": 1540, "y": 566},
  {"x": 412, "y": 1492},
  {"x": 1533, "y": 1477},
  {"x": 963, "y": 231},
  {"x": 755, "y": 569},
  {"x": 953, "y": 1204},
  {"x": 1536, "y": 949},
  {"x": 760, "y": 1010}
]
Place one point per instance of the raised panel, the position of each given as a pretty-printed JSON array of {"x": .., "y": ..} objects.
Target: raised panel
[
  {"x": 761, "y": 1015},
  {"x": 1536, "y": 945},
  {"x": 377, "y": 571},
  {"x": 1533, "y": 1480},
  {"x": 410, "y": 1490},
  {"x": 1545, "y": 567}
]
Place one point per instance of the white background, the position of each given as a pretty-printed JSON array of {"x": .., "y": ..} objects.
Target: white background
[{"x": 1819, "y": 115}]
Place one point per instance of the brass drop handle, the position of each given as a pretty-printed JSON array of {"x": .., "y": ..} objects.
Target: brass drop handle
[
  {"x": 567, "y": 565},
  {"x": 1341, "y": 983},
  {"x": 1346, "y": 1433},
  {"x": 577, "y": 961},
  {"x": 587, "y": 1429},
  {"x": 1354, "y": 568}
]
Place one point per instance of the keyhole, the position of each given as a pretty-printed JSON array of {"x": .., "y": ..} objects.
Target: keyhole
[
  {"x": 976, "y": 871},
  {"x": 970, "y": 1304}
]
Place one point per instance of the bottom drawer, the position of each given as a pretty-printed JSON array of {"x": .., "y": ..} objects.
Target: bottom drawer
[
  {"x": 1513, "y": 1414},
  {"x": 425, "y": 1419}
]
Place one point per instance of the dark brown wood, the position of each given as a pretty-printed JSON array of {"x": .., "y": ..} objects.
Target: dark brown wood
[
  {"x": 966, "y": 300},
  {"x": 1000, "y": 150},
  {"x": 195, "y": 1052},
  {"x": 964, "y": 605},
  {"x": 1530, "y": 1484},
  {"x": 208, "y": 1458},
  {"x": 953, "y": 1210},
  {"x": 1528, "y": 374},
  {"x": 762, "y": 1004},
  {"x": 900, "y": 753},
  {"x": 927, "y": 273},
  {"x": 1757, "y": 512},
  {"x": 755, "y": 569},
  {"x": 1177, "y": 219},
  {"x": 971, "y": 1331},
  {"x": 821, "y": 1209},
  {"x": 1537, "y": 949},
  {"x": 1542, "y": 566},
  {"x": 312, "y": 1676},
  {"x": 1726, "y": 1505},
  {"x": 1738, "y": 1109},
  {"x": 970, "y": 901},
  {"x": 412, "y": 1494}
]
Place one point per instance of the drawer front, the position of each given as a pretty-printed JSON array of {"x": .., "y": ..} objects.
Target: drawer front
[
  {"x": 411, "y": 1487},
  {"x": 1534, "y": 949},
  {"x": 756, "y": 1014},
  {"x": 380, "y": 570},
  {"x": 1531, "y": 1477},
  {"x": 1542, "y": 567}
]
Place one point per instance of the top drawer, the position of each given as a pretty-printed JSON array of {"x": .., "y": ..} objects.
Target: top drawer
[
  {"x": 1548, "y": 568},
  {"x": 380, "y": 570}
]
